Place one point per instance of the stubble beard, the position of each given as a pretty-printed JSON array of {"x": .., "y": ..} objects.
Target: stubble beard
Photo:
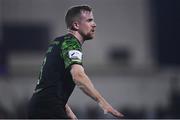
[{"x": 88, "y": 36}]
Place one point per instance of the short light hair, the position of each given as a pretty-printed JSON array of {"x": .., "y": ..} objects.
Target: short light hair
[{"x": 74, "y": 13}]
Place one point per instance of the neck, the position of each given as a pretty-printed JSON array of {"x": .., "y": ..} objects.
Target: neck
[{"x": 77, "y": 35}]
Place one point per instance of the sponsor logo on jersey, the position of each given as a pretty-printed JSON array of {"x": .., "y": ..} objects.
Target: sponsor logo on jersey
[{"x": 75, "y": 55}]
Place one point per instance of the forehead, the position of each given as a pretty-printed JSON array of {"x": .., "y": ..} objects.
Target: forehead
[{"x": 86, "y": 14}]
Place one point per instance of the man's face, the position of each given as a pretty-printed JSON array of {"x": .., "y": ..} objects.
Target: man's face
[{"x": 87, "y": 25}]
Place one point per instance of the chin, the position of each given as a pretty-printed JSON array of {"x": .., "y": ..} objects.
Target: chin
[{"x": 88, "y": 37}]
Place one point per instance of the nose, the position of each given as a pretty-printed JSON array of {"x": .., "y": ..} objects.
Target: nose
[{"x": 94, "y": 24}]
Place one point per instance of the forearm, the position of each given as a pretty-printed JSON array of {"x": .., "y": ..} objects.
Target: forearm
[
  {"x": 88, "y": 88},
  {"x": 85, "y": 84}
]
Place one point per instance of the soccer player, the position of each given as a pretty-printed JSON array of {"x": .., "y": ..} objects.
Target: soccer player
[{"x": 62, "y": 69}]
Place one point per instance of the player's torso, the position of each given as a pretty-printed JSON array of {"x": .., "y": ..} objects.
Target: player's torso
[{"x": 54, "y": 74}]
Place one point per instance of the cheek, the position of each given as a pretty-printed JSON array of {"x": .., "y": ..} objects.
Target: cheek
[
  {"x": 85, "y": 30},
  {"x": 86, "y": 27}
]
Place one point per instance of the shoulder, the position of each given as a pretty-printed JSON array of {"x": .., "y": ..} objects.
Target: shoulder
[
  {"x": 70, "y": 42},
  {"x": 58, "y": 40}
]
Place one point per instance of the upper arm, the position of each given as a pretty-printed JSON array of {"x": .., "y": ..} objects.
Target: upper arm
[{"x": 77, "y": 71}]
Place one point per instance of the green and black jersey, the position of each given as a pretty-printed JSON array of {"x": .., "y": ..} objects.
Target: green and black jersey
[{"x": 55, "y": 71}]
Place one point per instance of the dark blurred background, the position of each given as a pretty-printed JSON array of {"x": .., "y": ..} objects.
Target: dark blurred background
[{"x": 133, "y": 60}]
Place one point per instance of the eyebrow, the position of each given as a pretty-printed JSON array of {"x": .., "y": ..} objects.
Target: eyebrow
[{"x": 90, "y": 19}]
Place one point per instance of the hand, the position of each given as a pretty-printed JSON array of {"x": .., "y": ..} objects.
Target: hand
[
  {"x": 109, "y": 109},
  {"x": 70, "y": 113},
  {"x": 72, "y": 116}
]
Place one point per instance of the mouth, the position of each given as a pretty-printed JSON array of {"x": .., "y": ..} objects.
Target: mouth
[{"x": 93, "y": 30}]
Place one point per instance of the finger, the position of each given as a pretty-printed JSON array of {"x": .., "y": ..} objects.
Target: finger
[{"x": 117, "y": 114}]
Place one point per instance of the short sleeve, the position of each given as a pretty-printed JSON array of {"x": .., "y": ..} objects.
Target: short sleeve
[{"x": 71, "y": 52}]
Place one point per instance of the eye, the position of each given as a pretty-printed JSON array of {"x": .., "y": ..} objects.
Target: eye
[{"x": 90, "y": 20}]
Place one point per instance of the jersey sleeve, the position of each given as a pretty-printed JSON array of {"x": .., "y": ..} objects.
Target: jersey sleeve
[{"x": 71, "y": 52}]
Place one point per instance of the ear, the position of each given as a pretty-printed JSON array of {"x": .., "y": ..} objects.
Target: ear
[{"x": 75, "y": 25}]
